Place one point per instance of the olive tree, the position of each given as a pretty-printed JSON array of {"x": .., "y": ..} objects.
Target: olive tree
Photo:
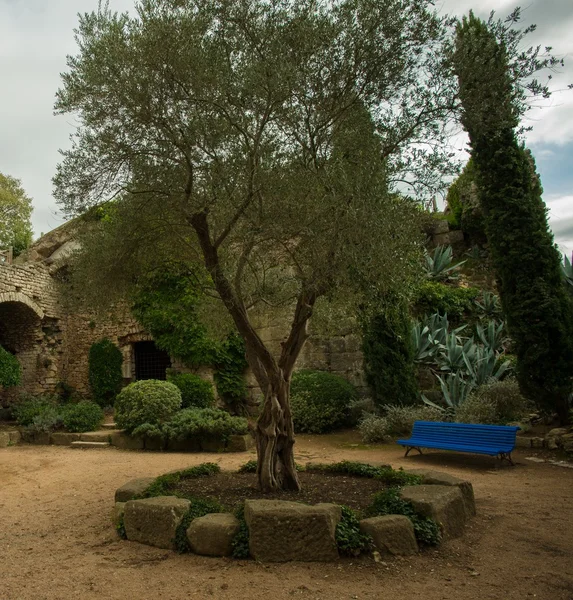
[{"x": 261, "y": 140}]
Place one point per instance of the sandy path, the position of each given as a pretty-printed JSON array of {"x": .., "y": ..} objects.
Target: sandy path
[{"x": 56, "y": 540}]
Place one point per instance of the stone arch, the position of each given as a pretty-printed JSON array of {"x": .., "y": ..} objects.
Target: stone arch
[{"x": 22, "y": 299}]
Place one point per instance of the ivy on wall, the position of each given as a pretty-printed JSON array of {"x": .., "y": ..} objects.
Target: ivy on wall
[
  {"x": 10, "y": 370},
  {"x": 105, "y": 377}
]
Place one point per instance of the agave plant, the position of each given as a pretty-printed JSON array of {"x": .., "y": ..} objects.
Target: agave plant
[
  {"x": 454, "y": 354},
  {"x": 455, "y": 390},
  {"x": 492, "y": 335},
  {"x": 484, "y": 365},
  {"x": 490, "y": 305},
  {"x": 439, "y": 264},
  {"x": 567, "y": 270},
  {"x": 424, "y": 347}
]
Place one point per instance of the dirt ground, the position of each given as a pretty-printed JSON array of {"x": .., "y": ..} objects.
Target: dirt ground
[{"x": 56, "y": 540}]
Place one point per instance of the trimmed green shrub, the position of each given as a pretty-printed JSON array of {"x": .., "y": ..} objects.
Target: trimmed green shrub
[
  {"x": 389, "y": 355},
  {"x": 31, "y": 407},
  {"x": 10, "y": 370},
  {"x": 457, "y": 302},
  {"x": 146, "y": 402},
  {"x": 320, "y": 401},
  {"x": 83, "y": 416},
  {"x": 105, "y": 377},
  {"x": 496, "y": 403},
  {"x": 195, "y": 391},
  {"x": 196, "y": 422}
]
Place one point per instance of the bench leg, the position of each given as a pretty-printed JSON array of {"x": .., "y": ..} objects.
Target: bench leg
[
  {"x": 412, "y": 448},
  {"x": 507, "y": 456}
]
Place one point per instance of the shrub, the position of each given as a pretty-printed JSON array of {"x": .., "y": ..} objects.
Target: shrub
[
  {"x": 457, "y": 302},
  {"x": 358, "y": 409},
  {"x": 240, "y": 543},
  {"x": 397, "y": 421},
  {"x": 230, "y": 363},
  {"x": 349, "y": 539},
  {"x": 31, "y": 407},
  {"x": 195, "y": 391},
  {"x": 191, "y": 422},
  {"x": 83, "y": 416},
  {"x": 389, "y": 355},
  {"x": 149, "y": 401},
  {"x": 49, "y": 420},
  {"x": 358, "y": 469},
  {"x": 373, "y": 429},
  {"x": 10, "y": 371},
  {"x": 320, "y": 401},
  {"x": 105, "y": 376},
  {"x": 495, "y": 403}
]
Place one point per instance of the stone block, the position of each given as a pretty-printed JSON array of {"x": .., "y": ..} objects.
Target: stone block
[
  {"x": 537, "y": 442},
  {"x": 430, "y": 477},
  {"x": 240, "y": 443},
  {"x": 443, "y": 503},
  {"x": 439, "y": 226},
  {"x": 281, "y": 531},
  {"x": 187, "y": 445},
  {"x": 522, "y": 441},
  {"x": 4, "y": 439},
  {"x": 567, "y": 442},
  {"x": 212, "y": 535},
  {"x": 212, "y": 444},
  {"x": 15, "y": 436},
  {"x": 456, "y": 236},
  {"x": 64, "y": 438},
  {"x": 121, "y": 439},
  {"x": 95, "y": 436},
  {"x": 133, "y": 488},
  {"x": 117, "y": 513},
  {"x": 392, "y": 534},
  {"x": 441, "y": 239},
  {"x": 40, "y": 438},
  {"x": 154, "y": 521},
  {"x": 153, "y": 443}
]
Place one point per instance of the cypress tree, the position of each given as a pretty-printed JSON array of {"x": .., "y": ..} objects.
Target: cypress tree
[{"x": 539, "y": 313}]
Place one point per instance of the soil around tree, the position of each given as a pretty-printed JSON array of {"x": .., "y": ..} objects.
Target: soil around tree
[{"x": 232, "y": 489}]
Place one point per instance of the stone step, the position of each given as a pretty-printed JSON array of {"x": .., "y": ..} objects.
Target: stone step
[
  {"x": 81, "y": 444},
  {"x": 95, "y": 436},
  {"x": 109, "y": 426}
]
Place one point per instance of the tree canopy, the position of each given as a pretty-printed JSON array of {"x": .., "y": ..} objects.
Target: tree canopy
[
  {"x": 261, "y": 140},
  {"x": 15, "y": 213}
]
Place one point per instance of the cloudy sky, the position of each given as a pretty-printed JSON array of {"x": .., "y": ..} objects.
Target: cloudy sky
[{"x": 36, "y": 36}]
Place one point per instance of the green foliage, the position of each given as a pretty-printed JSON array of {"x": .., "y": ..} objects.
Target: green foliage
[
  {"x": 489, "y": 305},
  {"x": 163, "y": 485},
  {"x": 120, "y": 528},
  {"x": 389, "y": 355},
  {"x": 83, "y": 416},
  {"x": 10, "y": 370},
  {"x": 439, "y": 264},
  {"x": 495, "y": 403},
  {"x": 249, "y": 467},
  {"x": 165, "y": 303},
  {"x": 15, "y": 213},
  {"x": 492, "y": 335},
  {"x": 240, "y": 542},
  {"x": 195, "y": 391},
  {"x": 197, "y": 422},
  {"x": 31, "y": 407},
  {"x": 357, "y": 469},
  {"x": 538, "y": 310},
  {"x": 105, "y": 377},
  {"x": 231, "y": 364},
  {"x": 320, "y": 401},
  {"x": 349, "y": 539},
  {"x": 148, "y": 401},
  {"x": 199, "y": 508},
  {"x": 388, "y": 502},
  {"x": 436, "y": 297}
]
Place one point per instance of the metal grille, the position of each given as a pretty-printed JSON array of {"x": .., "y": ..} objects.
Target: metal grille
[{"x": 150, "y": 361}]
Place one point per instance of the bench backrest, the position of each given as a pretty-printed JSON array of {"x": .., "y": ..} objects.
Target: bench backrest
[{"x": 481, "y": 435}]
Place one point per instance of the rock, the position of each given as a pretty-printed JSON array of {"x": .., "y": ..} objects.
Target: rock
[
  {"x": 95, "y": 436},
  {"x": 64, "y": 438},
  {"x": 15, "y": 436},
  {"x": 4, "y": 439},
  {"x": 121, "y": 439},
  {"x": 239, "y": 443},
  {"x": 456, "y": 236},
  {"x": 40, "y": 437},
  {"x": 522, "y": 442},
  {"x": 554, "y": 439},
  {"x": 280, "y": 531},
  {"x": 212, "y": 535},
  {"x": 186, "y": 445},
  {"x": 117, "y": 513},
  {"x": 567, "y": 442},
  {"x": 537, "y": 442},
  {"x": 430, "y": 477},
  {"x": 154, "y": 521},
  {"x": 443, "y": 503},
  {"x": 212, "y": 444},
  {"x": 133, "y": 488},
  {"x": 153, "y": 443},
  {"x": 392, "y": 534}
]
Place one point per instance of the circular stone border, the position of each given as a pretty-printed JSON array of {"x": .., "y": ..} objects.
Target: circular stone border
[{"x": 307, "y": 532}]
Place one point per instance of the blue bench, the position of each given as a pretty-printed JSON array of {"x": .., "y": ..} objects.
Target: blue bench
[{"x": 495, "y": 440}]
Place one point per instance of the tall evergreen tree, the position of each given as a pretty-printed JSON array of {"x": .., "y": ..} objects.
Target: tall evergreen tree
[{"x": 539, "y": 313}]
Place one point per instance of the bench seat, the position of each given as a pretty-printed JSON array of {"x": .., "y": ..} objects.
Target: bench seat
[{"x": 493, "y": 440}]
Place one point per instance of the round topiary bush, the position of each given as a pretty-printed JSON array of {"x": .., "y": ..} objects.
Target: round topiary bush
[
  {"x": 10, "y": 371},
  {"x": 320, "y": 401},
  {"x": 195, "y": 392},
  {"x": 105, "y": 377},
  {"x": 83, "y": 416},
  {"x": 149, "y": 401}
]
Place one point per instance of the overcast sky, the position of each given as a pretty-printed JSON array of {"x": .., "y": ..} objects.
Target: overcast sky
[{"x": 36, "y": 36}]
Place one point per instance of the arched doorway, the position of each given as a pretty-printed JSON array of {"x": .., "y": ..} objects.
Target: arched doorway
[{"x": 20, "y": 334}]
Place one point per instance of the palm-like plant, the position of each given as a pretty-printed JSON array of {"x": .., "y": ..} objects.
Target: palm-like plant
[
  {"x": 439, "y": 264},
  {"x": 455, "y": 390},
  {"x": 492, "y": 335},
  {"x": 485, "y": 365},
  {"x": 490, "y": 305}
]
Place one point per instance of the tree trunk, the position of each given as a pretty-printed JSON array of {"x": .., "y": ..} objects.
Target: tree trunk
[{"x": 275, "y": 438}]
